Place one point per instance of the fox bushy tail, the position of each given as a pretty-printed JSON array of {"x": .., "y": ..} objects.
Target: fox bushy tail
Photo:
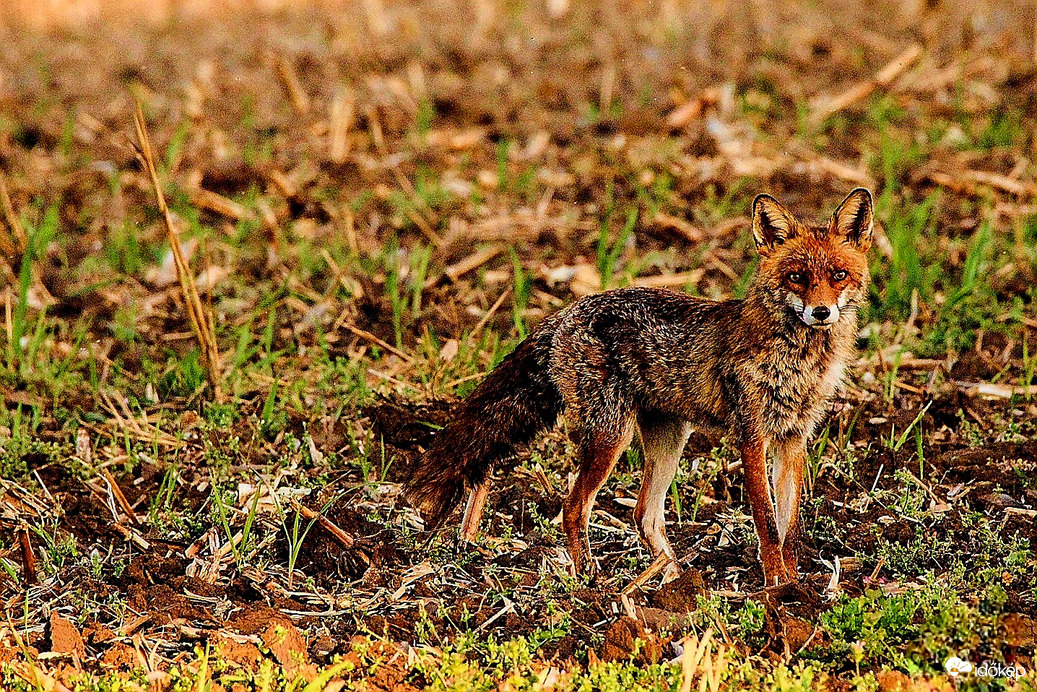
[{"x": 515, "y": 401}]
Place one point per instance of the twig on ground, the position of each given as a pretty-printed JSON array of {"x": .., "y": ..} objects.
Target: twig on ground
[
  {"x": 658, "y": 565},
  {"x": 340, "y": 536}
]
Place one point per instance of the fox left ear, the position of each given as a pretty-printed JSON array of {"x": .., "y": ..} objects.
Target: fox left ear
[{"x": 852, "y": 221}]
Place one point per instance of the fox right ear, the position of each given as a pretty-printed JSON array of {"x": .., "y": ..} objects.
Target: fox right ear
[{"x": 773, "y": 224}]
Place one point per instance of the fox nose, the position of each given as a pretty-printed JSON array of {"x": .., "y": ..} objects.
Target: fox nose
[{"x": 821, "y": 313}]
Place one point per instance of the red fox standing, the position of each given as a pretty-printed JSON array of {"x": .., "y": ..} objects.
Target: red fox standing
[{"x": 658, "y": 362}]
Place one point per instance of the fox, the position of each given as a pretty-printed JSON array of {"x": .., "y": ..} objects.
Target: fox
[{"x": 657, "y": 364}]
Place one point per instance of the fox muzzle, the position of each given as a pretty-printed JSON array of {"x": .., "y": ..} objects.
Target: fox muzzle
[{"x": 819, "y": 315}]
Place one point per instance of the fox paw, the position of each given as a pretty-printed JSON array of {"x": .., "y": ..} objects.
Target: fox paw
[
  {"x": 779, "y": 576},
  {"x": 585, "y": 568},
  {"x": 671, "y": 572}
]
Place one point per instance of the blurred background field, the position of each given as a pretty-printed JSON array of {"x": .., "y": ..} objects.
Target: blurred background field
[{"x": 375, "y": 201}]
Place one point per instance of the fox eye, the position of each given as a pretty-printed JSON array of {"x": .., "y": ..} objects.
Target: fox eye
[
  {"x": 839, "y": 275},
  {"x": 794, "y": 277}
]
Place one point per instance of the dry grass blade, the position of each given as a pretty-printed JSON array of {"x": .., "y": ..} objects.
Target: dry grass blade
[
  {"x": 862, "y": 90},
  {"x": 694, "y": 652},
  {"x": 489, "y": 314},
  {"x": 698, "y": 658},
  {"x": 125, "y": 424},
  {"x": 997, "y": 391},
  {"x": 117, "y": 493},
  {"x": 414, "y": 214},
  {"x": 219, "y": 204},
  {"x": 292, "y": 86},
  {"x": 151, "y": 435},
  {"x": 340, "y": 122},
  {"x": 364, "y": 334},
  {"x": 14, "y": 243},
  {"x": 474, "y": 261},
  {"x": 199, "y": 319}
]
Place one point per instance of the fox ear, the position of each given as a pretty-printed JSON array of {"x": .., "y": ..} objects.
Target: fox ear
[
  {"x": 773, "y": 224},
  {"x": 852, "y": 221}
]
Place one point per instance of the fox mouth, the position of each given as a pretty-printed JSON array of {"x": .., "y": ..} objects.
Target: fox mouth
[{"x": 815, "y": 322}]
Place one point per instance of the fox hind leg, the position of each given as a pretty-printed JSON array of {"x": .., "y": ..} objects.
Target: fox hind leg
[
  {"x": 662, "y": 441},
  {"x": 473, "y": 511},
  {"x": 599, "y": 449}
]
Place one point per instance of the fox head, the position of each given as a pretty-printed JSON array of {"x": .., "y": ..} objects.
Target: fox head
[{"x": 819, "y": 272}]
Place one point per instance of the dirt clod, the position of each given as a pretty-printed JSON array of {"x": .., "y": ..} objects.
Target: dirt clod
[
  {"x": 65, "y": 637},
  {"x": 121, "y": 657},
  {"x": 287, "y": 645},
  {"x": 681, "y": 595},
  {"x": 628, "y": 639},
  {"x": 244, "y": 653},
  {"x": 1019, "y": 630},
  {"x": 894, "y": 681}
]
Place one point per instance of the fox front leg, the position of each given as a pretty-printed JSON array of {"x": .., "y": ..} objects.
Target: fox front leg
[
  {"x": 787, "y": 480},
  {"x": 757, "y": 485}
]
